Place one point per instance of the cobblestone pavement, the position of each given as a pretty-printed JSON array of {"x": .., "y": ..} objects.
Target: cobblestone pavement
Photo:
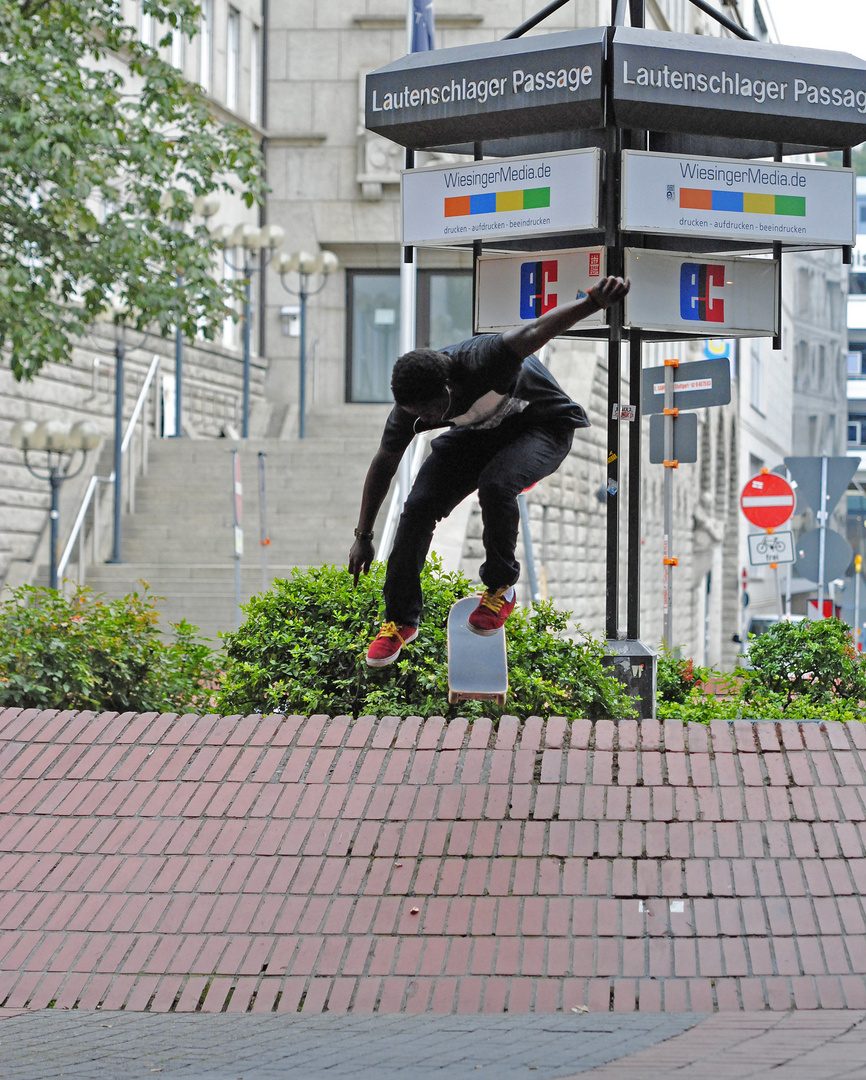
[
  {"x": 104, "y": 1046},
  {"x": 635, "y": 1046},
  {"x": 301, "y": 865}
]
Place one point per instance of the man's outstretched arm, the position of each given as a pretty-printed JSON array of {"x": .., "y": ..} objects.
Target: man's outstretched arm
[
  {"x": 529, "y": 338},
  {"x": 379, "y": 476}
]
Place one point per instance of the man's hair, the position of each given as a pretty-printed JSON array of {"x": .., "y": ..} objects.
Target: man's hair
[{"x": 420, "y": 375}]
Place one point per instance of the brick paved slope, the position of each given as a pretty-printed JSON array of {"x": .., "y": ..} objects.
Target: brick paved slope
[{"x": 266, "y": 863}]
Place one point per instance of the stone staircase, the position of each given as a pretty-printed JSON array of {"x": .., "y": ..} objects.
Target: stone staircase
[{"x": 180, "y": 539}]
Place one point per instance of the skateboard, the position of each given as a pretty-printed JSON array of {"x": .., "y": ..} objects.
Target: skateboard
[{"x": 477, "y": 664}]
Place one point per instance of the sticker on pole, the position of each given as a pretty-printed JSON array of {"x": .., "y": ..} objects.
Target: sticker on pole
[
  {"x": 774, "y": 547},
  {"x": 767, "y": 501}
]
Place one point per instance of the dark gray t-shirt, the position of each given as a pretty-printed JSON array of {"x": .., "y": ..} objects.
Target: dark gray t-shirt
[{"x": 490, "y": 384}]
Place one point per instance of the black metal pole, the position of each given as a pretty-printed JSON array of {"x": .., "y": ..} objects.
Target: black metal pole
[
  {"x": 735, "y": 28},
  {"x": 635, "y": 349},
  {"x": 55, "y": 478},
  {"x": 119, "y": 355},
  {"x": 536, "y": 19},
  {"x": 615, "y": 259}
]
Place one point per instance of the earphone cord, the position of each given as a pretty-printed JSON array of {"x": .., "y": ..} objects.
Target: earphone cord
[{"x": 442, "y": 417}]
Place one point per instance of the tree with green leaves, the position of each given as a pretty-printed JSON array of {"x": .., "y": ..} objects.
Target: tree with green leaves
[{"x": 95, "y": 127}]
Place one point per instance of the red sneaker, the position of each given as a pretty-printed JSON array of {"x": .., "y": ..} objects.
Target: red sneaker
[
  {"x": 492, "y": 611},
  {"x": 389, "y": 641}
]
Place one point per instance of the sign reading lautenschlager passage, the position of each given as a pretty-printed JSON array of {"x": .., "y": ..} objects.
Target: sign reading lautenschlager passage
[
  {"x": 695, "y": 294},
  {"x": 743, "y": 89},
  {"x": 755, "y": 201},
  {"x": 497, "y": 89},
  {"x": 501, "y": 199}
]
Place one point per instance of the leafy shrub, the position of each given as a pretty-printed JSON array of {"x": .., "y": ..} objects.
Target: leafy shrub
[
  {"x": 812, "y": 660},
  {"x": 800, "y": 671},
  {"x": 81, "y": 652},
  {"x": 677, "y": 677},
  {"x": 303, "y": 644}
]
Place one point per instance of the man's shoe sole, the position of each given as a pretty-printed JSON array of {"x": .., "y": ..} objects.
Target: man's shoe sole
[{"x": 484, "y": 633}]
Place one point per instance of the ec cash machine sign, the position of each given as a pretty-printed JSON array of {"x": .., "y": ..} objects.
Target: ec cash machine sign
[{"x": 755, "y": 201}]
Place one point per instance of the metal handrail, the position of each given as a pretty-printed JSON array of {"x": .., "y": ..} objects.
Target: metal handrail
[
  {"x": 398, "y": 497},
  {"x": 95, "y": 480}
]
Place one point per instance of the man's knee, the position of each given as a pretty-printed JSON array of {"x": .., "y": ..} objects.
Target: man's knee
[{"x": 497, "y": 490}]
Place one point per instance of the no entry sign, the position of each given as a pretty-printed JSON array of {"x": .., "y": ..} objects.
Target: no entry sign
[{"x": 767, "y": 500}]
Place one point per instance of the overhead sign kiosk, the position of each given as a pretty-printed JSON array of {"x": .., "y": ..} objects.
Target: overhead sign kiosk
[{"x": 667, "y": 97}]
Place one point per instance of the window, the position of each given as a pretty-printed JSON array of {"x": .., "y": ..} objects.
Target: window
[
  {"x": 233, "y": 56},
  {"x": 205, "y": 44},
  {"x": 255, "y": 76},
  {"x": 145, "y": 29},
  {"x": 857, "y": 429},
  {"x": 861, "y": 216},
  {"x": 177, "y": 48},
  {"x": 443, "y": 316}
]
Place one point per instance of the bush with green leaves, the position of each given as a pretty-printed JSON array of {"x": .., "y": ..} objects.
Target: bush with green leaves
[
  {"x": 676, "y": 677},
  {"x": 799, "y": 671},
  {"x": 83, "y": 652},
  {"x": 302, "y": 649}
]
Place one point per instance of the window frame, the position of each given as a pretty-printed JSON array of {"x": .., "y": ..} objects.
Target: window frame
[{"x": 422, "y": 311}]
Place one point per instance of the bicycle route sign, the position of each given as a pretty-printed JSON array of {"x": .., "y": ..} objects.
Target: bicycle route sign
[
  {"x": 767, "y": 501},
  {"x": 768, "y": 548}
]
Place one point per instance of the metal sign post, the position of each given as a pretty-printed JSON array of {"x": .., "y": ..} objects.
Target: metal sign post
[
  {"x": 237, "y": 531},
  {"x": 822, "y": 538},
  {"x": 264, "y": 539},
  {"x": 670, "y": 463}
]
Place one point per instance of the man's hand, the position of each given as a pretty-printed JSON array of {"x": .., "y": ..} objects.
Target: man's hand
[
  {"x": 360, "y": 557},
  {"x": 608, "y": 291}
]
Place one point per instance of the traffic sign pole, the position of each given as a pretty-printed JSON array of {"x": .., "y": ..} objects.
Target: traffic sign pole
[
  {"x": 822, "y": 538},
  {"x": 670, "y": 464}
]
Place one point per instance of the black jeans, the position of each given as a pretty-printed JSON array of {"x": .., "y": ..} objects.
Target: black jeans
[{"x": 500, "y": 463}]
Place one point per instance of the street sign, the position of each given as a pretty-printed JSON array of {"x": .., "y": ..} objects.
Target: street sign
[
  {"x": 516, "y": 288},
  {"x": 806, "y": 473},
  {"x": 775, "y": 547},
  {"x": 501, "y": 199},
  {"x": 767, "y": 501},
  {"x": 696, "y": 386},
  {"x": 723, "y": 198},
  {"x": 526, "y": 86},
  {"x": 690, "y": 294},
  {"x": 837, "y": 555},
  {"x": 685, "y": 438}
]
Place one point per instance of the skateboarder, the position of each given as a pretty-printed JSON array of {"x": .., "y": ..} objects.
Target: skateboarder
[{"x": 510, "y": 424}]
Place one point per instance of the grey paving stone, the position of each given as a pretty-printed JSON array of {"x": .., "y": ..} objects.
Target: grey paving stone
[{"x": 135, "y": 1046}]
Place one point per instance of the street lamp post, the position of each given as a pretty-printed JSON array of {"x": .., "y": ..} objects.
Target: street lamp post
[
  {"x": 58, "y": 442},
  {"x": 253, "y": 240},
  {"x": 305, "y": 266}
]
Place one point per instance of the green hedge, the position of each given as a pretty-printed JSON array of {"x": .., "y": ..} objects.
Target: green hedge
[
  {"x": 302, "y": 648},
  {"x": 81, "y": 652}
]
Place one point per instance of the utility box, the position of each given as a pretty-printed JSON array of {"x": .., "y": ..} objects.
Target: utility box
[{"x": 634, "y": 665}]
